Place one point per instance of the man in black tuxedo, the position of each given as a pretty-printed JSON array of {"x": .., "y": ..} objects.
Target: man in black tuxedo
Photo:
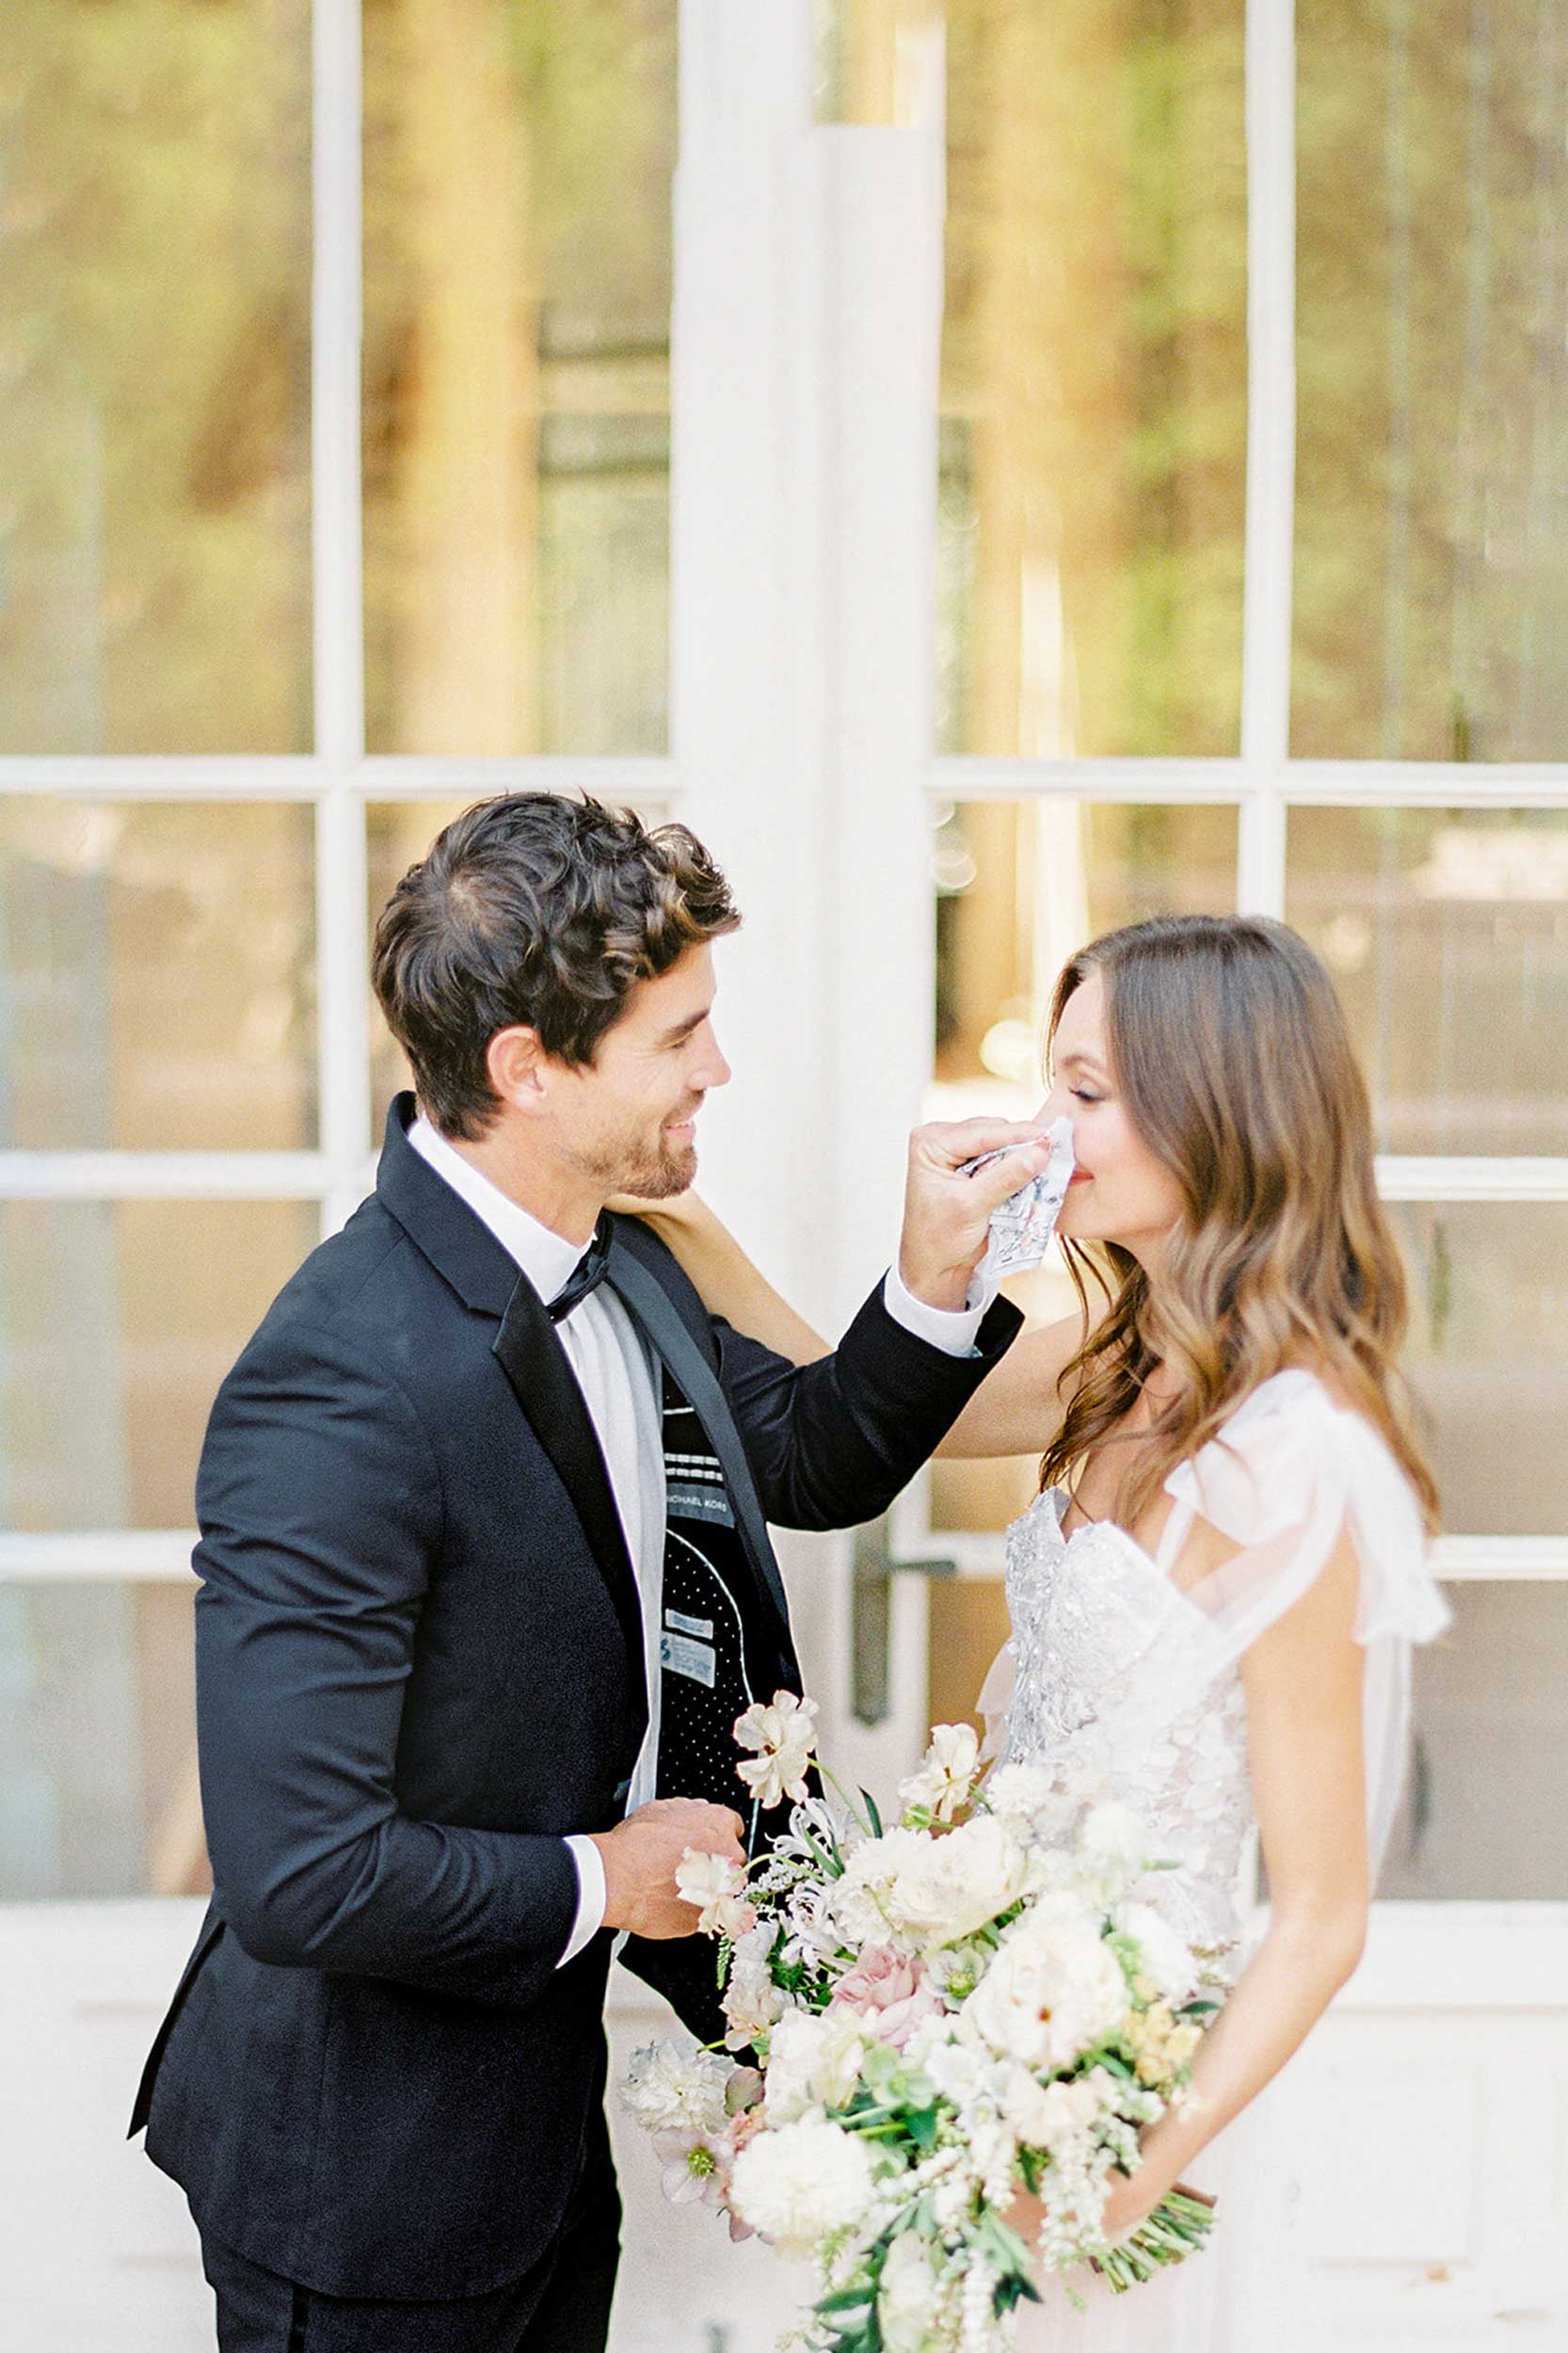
[{"x": 486, "y": 1580}]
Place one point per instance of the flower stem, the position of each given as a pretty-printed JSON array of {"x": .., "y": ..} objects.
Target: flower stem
[{"x": 1179, "y": 2227}]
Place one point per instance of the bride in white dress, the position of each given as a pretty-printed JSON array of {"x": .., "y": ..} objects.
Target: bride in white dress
[{"x": 1214, "y": 1595}]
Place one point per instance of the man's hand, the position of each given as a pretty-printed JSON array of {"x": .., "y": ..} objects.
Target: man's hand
[
  {"x": 640, "y": 1856},
  {"x": 946, "y": 1215}
]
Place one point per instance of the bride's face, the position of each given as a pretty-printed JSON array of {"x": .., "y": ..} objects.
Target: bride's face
[{"x": 1119, "y": 1191}]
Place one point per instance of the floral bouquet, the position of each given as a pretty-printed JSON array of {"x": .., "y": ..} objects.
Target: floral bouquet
[{"x": 968, "y": 2005}]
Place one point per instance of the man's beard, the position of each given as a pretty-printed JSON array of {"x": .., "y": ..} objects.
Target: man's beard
[
  {"x": 649, "y": 1171},
  {"x": 658, "y": 1175}
]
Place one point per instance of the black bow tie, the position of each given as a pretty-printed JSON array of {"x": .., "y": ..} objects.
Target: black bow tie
[{"x": 586, "y": 1276}]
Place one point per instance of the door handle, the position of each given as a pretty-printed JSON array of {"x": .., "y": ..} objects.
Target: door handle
[{"x": 873, "y": 1569}]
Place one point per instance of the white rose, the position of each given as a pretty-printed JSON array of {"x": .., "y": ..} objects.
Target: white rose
[
  {"x": 1053, "y": 1992},
  {"x": 813, "y": 2060},
  {"x": 955, "y": 1884},
  {"x": 792, "y": 2056},
  {"x": 858, "y": 1901},
  {"x": 909, "y": 2298},
  {"x": 801, "y": 2183}
]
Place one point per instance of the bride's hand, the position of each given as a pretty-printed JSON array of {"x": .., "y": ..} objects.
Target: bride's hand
[
  {"x": 678, "y": 1209},
  {"x": 1131, "y": 2200}
]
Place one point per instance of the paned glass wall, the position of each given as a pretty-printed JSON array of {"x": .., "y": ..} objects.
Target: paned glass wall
[
  {"x": 154, "y": 378},
  {"x": 157, "y": 975},
  {"x": 1094, "y": 388},
  {"x": 1431, "y": 601},
  {"x": 519, "y": 157}
]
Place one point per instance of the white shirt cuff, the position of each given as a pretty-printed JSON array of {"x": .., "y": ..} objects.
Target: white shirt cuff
[
  {"x": 590, "y": 1895},
  {"x": 954, "y": 1330}
]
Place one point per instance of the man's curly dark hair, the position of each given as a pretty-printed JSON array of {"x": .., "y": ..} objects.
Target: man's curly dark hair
[{"x": 535, "y": 910}]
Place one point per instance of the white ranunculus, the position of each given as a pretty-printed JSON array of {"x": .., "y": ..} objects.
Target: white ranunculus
[
  {"x": 946, "y": 1774},
  {"x": 1166, "y": 1959},
  {"x": 802, "y": 2181},
  {"x": 784, "y": 1735},
  {"x": 671, "y": 2089},
  {"x": 1053, "y": 1992},
  {"x": 909, "y": 2298},
  {"x": 955, "y": 1884}
]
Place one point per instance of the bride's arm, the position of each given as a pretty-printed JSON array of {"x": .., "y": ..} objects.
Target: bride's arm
[
  {"x": 730, "y": 1285},
  {"x": 1016, "y": 1411},
  {"x": 1302, "y": 1680},
  {"x": 1018, "y": 1408}
]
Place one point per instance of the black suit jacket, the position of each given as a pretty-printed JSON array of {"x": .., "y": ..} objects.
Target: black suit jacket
[{"x": 419, "y": 1663}]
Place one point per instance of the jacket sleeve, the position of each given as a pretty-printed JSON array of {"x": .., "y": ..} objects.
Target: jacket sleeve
[
  {"x": 832, "y": 1443},
  {"x": 320, "y": 1510}
]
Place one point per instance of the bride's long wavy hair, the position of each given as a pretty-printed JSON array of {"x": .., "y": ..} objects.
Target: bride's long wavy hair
[{"x": 1230, "y": 1050}]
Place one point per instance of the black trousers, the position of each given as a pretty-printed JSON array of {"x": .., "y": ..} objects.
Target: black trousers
[{"x": 561, "y": 2306}]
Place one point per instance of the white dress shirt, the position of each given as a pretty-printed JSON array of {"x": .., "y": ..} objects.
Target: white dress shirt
[{"x": 617, "y": 1372}]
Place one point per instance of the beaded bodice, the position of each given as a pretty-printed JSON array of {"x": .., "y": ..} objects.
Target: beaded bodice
[{"x": 1121, "y": 1689}]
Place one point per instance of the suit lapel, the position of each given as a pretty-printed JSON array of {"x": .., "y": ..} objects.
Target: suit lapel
[
  {"x": 546, "y": 1387},
  {"x": 646, "y": 1296}
]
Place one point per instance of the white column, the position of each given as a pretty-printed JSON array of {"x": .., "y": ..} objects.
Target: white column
[
  {"x": 344, "y": 994},
  {"x": 806, "y": 338},
  {"x": 882, "y": 222},
  {"x": 746, "y": 557}
]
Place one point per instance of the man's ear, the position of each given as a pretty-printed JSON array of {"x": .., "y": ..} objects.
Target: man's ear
[{"x": 519, "y": 1067}]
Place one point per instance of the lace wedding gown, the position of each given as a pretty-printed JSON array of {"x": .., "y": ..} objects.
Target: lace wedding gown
[{"x": 1126, "y": 1686}]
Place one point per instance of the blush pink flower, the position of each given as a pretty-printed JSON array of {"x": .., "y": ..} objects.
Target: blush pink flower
[{"x": 889, "y": 1992}]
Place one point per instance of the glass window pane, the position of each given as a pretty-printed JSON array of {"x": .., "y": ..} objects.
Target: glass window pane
[
  {"x": 118, "y": 1321},
  {"x": 398, "y": 834},
  {"x": 1092, "y": 449},
  {"x": 155, "y": 378},
  {"x": 1488, "y": 1358},
  {"x": 1446, "y": 934},
  {"x": 157, "y": 983},
  {"x": 98, "y": 1783},
  {"x": 1020, "y": 885},
  {"x": 517, "y": 170},
  {"x": 1431, "y": 564},
  {"x": 1491, "y": 1740}
]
